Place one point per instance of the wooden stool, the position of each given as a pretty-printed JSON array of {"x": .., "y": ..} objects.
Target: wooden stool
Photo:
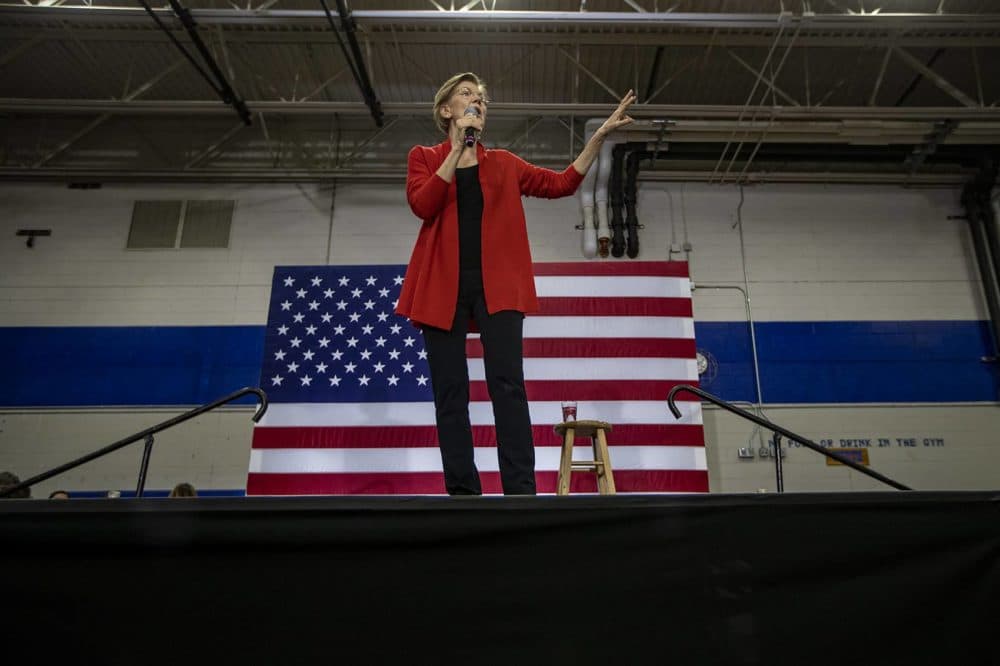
[{"x": 600, "y": 465}]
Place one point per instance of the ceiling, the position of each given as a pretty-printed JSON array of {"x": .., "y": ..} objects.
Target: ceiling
[{"x": 900, "y": 91}]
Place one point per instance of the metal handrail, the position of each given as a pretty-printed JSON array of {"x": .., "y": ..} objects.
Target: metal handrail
[
  {"x": 787, "y": 434},
  {"x": 147, "y": 433}
]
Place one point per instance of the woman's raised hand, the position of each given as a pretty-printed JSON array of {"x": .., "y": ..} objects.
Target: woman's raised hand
[{"x": 618, "y": 118}]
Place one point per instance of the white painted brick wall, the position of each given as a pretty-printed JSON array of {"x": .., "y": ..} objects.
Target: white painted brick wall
[
  {"x": 968, "y": 460},
  {"x": 813, "y": 253},
  {"x": 212, "y": 451},
  {"x": 83, "y": 275}
]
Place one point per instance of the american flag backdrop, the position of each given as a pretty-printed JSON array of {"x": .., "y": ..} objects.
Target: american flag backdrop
[{"x": 351, "y": 409}]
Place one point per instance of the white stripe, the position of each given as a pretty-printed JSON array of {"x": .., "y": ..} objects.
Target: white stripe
[
  {"x": 608, "y": 327},
  {"x": 607, "y": 369},
  {"x": 333, "y": 461},
  {"x": 623, "y": 286},
  {"x": 388, "y": 414}
]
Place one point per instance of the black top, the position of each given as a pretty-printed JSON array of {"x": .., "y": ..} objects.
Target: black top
[{"x": 470, "y": 217}]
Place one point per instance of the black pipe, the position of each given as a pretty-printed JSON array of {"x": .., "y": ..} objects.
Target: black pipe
[
  {"x": 942, "y": 129},
  {"x": 351, "y": 65},
  {"x": 637, "y": 152},
  {"x": 226, "y": 91},
  {"x": 631, "y": 194},
  {"x": 778, "y": 430},
  {"x": 654, "y": 72},
  {"x": 347, "y": 21},
  {"x": 180, "y": 47},
  {"x": 55, "y": 471},
  {"x": 918, "y": 78},
  {"x": 615, "y": 195},
  {"x": 355, "y": 60}
]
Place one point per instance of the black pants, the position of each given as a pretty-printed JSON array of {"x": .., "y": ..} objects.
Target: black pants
[{"x": 502, "y": 334}]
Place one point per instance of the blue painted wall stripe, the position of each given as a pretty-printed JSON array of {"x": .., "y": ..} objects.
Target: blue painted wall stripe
[
  {"x": 853, "y": 361},
  {"x": 154, "y": 365},
  {"x": 801, "y": 362}
]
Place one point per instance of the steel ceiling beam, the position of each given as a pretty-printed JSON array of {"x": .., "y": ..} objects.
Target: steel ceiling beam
[
  {"x": 10, "y": 55},
  {"x": 878, "y": 135},
  {"x": 399, "y": 175},
  {"x": 978, "y": 75},
  {"x": 878, "y": 126},
  {"x": 670, "y": 79},
  {"x": 759, "y": 75},
  {"x": 639, "y": 111},
  {"x": 277, "y": 34},
  {"x": 881, "y": 22},
  {"x": 215, "y": 145},
  {"x": 104, "y": 117},
  {"x": 596, "y": 79},
  {"x": 775, "y": 71},
  {"x": 881, "y": 75},
  {"x": 934, "y": 77},
  {"x": 346, "y": 161}
]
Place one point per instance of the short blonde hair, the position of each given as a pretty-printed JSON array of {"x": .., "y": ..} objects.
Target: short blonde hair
[{"x": 448, "y": 89}]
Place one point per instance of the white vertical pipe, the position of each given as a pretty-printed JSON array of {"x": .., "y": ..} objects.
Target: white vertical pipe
[
  {"x": 588, "y": 238},
  {"x": 601, "y": 197}
]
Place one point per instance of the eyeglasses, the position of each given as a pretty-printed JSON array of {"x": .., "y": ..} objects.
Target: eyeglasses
[{"x": 468, "y": 93}]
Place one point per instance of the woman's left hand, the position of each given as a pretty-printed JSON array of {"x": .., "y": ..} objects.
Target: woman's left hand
[{"x": 618, "y": 118}]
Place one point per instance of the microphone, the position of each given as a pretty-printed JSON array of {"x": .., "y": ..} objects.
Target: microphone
[{"x": 470, "y": 132}]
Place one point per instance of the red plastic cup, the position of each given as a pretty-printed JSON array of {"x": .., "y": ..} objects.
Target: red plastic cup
[{"x": 569, "y": 410}]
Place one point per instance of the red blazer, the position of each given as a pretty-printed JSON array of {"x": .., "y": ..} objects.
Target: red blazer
[{"x": 430, "y": 290}]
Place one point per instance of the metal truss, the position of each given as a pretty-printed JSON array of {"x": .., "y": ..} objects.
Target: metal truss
[
  {"x": 818, "y": 79},
  {"x": 128, "y": 97}
]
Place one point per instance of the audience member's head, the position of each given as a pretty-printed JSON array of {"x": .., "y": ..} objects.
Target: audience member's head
[
  {"x": 183, "y": 490},
  {"x": 59, "y": 494},
  {"x": 8, "y": 479}
]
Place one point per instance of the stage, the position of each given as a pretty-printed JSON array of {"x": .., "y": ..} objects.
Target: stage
[{"x": 849, "y": 578}]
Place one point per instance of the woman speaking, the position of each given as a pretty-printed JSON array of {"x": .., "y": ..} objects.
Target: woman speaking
[{"x": 472, "y": 263}]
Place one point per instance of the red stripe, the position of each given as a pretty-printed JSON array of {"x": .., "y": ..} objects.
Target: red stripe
[
  {"x": 633, "y": 306},
  {"x": 645, "y": 268},
  {"x": 598, "y": 348},
  {"x": 484, "y": 436},
  {"x": 600, "y": 389},
  {"x": 424, "y": 483}
]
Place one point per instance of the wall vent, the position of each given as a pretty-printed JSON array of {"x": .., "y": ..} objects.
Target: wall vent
[
  {"x": 207, "y": 223},
  {"x": 196, "y": 223},
  {"x": 154, "y": 224}
]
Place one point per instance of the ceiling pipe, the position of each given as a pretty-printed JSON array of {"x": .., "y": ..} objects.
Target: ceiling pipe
[
  {"x": 836, "y": 115},
  {"x": 879, "y": 23},
  {"x": 604, "y": 160},
  {"x": 217, "y": 80}
]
